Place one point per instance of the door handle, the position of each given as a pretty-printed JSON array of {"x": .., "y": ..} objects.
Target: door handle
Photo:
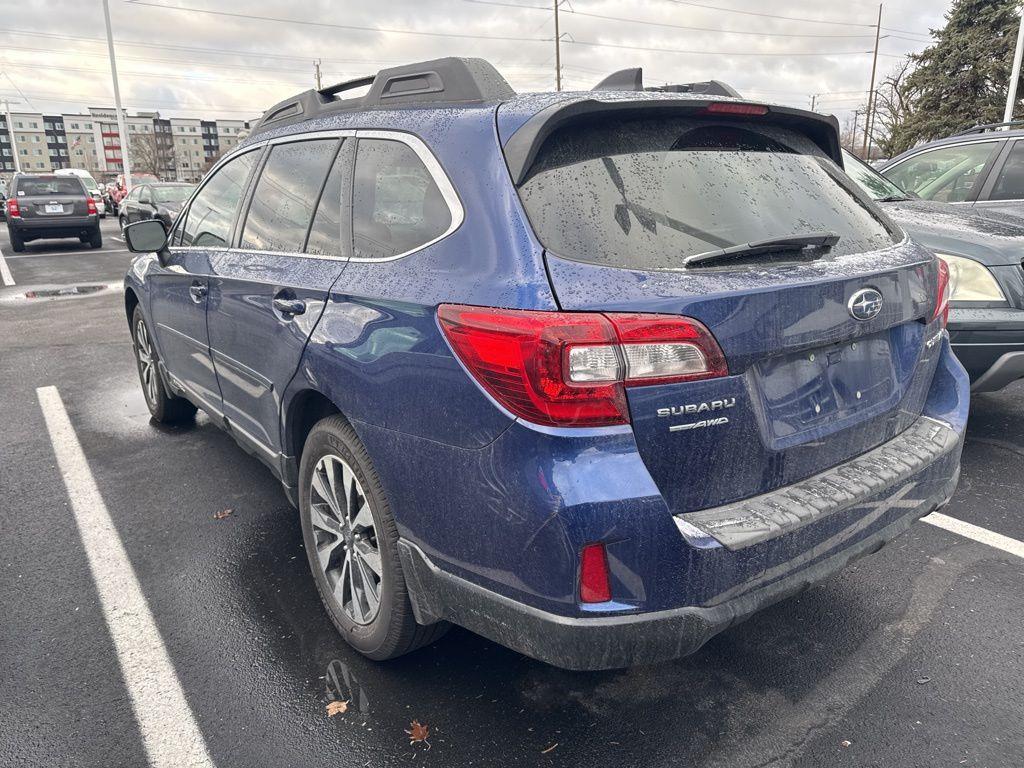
[
  {"x": 290, "y": 307},
  {"x": 198, "y": 292}
]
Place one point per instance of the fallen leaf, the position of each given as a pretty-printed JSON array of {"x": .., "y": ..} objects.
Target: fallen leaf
[
  {"x": 844, "y": 743},
  {"x": 418, "y": 732},
  {"x": 545, "y": 751},
  {"x": 222, "y": 514},
  {"x": 923, "y": 680},
  {"x": 337, "y": 708}
]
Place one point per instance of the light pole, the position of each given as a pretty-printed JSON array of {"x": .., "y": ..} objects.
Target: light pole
[
  {"x": 122, "y": 129},
  {"x": 1011, "y": 95},
  {"x": 10, "y": 135}
]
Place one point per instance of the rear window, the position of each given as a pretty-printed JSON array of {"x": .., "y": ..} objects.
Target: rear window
[
  {"x": 174, "y": 194},
  {"x": 645, "y": 194},
  {"x": 69, "y": 185}
]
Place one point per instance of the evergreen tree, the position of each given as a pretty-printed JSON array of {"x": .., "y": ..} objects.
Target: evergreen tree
[{"x": 961, "y": 79}]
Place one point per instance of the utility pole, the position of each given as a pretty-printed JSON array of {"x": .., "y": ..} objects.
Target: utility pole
[
  {"x": 316, "y": 74},
  {"x": 853, "y": 133},
  {"x": 558, "y": 51},
  {"x": 122, "y": 128},
  {"x": 814, "y": 98},
  {"x": 874, "y": 67},
  {"x": 10, "y": 134},
  {"x": 1011, "y": 96}
]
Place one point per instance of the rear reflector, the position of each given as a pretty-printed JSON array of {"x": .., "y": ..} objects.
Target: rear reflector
[
  {"x": 943, "y": 292},
  {"x": 572, "y": 368},
  {"x": 594, "y": 585},
  {"x": 734, "y": 108}
]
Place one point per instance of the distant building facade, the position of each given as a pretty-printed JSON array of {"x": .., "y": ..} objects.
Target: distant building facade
[{"x": 173, "y": 149}]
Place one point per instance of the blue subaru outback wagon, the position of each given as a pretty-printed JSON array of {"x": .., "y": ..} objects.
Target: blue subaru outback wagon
[{"x": 595, "y": 375}]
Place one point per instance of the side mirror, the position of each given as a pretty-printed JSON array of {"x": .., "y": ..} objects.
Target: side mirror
[{"x": 148, "y": 236}]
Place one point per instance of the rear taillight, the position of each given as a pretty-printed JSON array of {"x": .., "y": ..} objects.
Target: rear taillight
[
  {"x": 572, "y": 368},
  {"x": 13, "y": 209},
  {"x": 594, "y": 583},
  {"x": 91, "y": 205},
  {"x": 944, "y": 289},
  {"x": 735, "y": 108}
]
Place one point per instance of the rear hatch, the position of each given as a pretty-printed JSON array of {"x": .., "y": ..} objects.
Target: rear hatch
[
  {"x": 51, "y": 198},
  {"x": 830, "y": 347}
]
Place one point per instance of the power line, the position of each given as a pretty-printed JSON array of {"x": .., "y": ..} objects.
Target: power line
[
  {"x": 330, "y": 25},
  {"x": 769, "y": 15},
  {"x": 716, "y": 53},
  {"x": 664, "y": 23}
]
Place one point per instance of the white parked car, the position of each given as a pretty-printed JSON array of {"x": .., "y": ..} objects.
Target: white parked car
[{"x": 91, "y": 185}]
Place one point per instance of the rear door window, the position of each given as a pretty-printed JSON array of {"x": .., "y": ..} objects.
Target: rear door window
[
  {"x": 286, "y": 195},
  {"x": 645, "y": 194},
  {"x": 397, "y": 206},
  {"x": 1010, "y": 183},
  {"x": 212, "y": 212},
  {"x": 949, "y": 174}
]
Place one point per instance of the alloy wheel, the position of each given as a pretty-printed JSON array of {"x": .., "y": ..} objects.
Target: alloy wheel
[
  {"x": 346, "y": 538},
  {"x": 147, "y": 365}
]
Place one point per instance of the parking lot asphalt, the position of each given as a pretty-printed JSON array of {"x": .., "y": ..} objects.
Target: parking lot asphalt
[{"x": 914, "y": 656}]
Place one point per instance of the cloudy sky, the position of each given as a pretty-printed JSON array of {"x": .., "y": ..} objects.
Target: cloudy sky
[{"x": 232, "y": 59}]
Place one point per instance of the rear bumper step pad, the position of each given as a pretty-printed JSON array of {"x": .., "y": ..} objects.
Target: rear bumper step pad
[{"x": 752, "y": 521}]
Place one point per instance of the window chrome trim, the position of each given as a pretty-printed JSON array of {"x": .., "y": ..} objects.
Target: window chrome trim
[{"x": 423, "y": 152}]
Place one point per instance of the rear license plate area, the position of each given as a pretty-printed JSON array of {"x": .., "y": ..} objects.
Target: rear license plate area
[
  {"x": 835, "y": 385},
  {"x": 53, "y": 208}
]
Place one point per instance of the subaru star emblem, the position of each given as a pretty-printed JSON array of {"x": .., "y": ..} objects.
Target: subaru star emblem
[{"x": 865, "y": 304}]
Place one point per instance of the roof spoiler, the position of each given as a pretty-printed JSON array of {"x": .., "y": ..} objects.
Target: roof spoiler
[
  {"x": 632, "y": 79},
  {"x": 522, "y": 147},
  {"x": 440, "y": 81}
]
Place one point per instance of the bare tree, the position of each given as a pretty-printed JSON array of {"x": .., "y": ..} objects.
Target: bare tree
[
  {"x": 894, "y": 102},
  {"x": 152, "y": 154}
]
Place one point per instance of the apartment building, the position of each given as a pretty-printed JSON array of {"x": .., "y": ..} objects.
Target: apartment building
[{"x": 173, "y": 149}]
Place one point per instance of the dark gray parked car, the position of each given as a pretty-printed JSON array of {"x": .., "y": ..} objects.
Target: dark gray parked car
[
  {"x": 156, "y": 200},
  {"x": 982, "y": 168},
  {"x": 51, "y": 206},
  {"x": 984, "y": 254}
]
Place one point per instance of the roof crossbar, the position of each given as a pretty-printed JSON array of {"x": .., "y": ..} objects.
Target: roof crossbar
[{"x": 441, "y": 81}]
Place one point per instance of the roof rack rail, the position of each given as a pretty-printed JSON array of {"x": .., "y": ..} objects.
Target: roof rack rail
[
  {"x": 440, "y": 81},
  {"x": 632, "y": 79},
  {"x": 989, "y": 127}
]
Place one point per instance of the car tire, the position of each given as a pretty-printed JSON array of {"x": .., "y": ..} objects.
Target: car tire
[
  {"x": 96, "y": 238},
  {"x": 163, "y": 406},
  {"x": 342, "y": 544},
  {"x": 17, "y": 243}
]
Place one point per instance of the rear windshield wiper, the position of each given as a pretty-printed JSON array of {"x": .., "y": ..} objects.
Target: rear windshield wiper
[{"x": 772, "y": 245}]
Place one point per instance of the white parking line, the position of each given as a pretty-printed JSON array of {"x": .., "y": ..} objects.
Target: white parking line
[
  {"x": 5, "y": 272},
  {"x": 976, "y": 533},
  {"x": 169, "y": 730}
]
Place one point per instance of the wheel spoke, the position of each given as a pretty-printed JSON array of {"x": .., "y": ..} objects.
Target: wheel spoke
[
  {"x": 357, "y": 608},
  {"x": 343, "y": 580},
  {"x": 325, "y": 522},
  {"x": 368, "y": 555},
  {"x": 363, "y": 518},
  {"x": 324, "y": 552},
  {"x": 348, "y": 484},
  {"x": 369, "y": 585},
  {"x": 324, "y": 487}
]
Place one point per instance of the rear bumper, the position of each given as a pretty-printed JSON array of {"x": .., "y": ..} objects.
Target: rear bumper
[
  {"x": 611, "y": 642},
  {"x": 71, "y": 226}
]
